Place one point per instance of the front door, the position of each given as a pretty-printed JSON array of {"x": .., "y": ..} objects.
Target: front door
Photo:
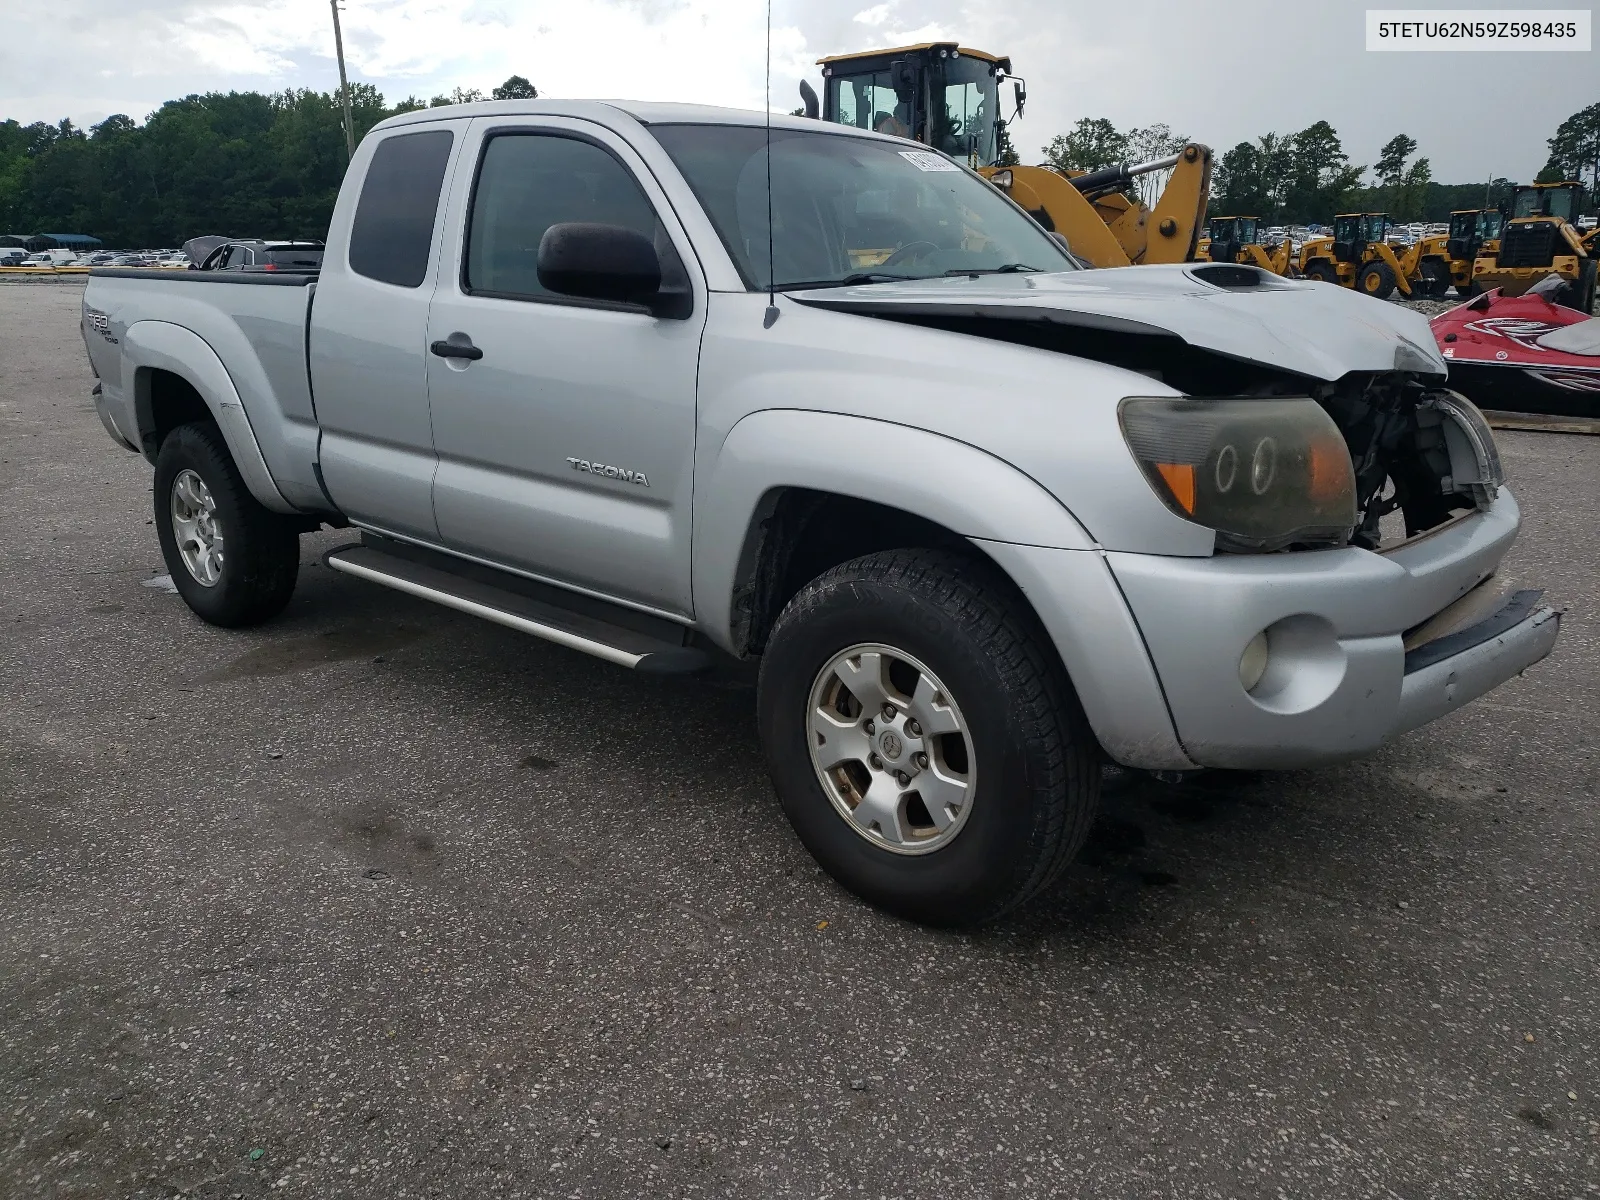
[{"x": 566, "y": 444}]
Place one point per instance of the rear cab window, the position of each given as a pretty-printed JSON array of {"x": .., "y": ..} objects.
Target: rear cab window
[{"x": 392, "y": 233}]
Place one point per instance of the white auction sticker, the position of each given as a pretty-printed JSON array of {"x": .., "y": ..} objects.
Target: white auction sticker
[
  {"x": 927, "y": 160},
  {"x": 1478, "y": 29}
]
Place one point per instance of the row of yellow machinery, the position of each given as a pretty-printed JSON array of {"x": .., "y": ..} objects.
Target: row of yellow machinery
[
  {"x": 948, "y": 96},
  {"x": 1532, "y": 236}
]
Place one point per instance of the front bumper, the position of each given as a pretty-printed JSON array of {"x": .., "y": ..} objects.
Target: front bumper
[{"x": 1339, "y": 679}]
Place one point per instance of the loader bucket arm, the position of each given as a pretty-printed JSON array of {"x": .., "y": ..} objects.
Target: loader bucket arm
[
  {"x": 1385, "y": 252},
  {"x": 1173, "y": 229},
  {"x": 1061, "y": 208}
]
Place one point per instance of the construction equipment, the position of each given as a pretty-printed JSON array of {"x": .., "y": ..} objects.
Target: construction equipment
[
  {"x": 1540, "y": 239},
  {"x": 1234, "y": 240},
  {"x": 1359, "y": 255},
  {"x": 1473, "y": 231},
  {"x": 947, "y": 96}
]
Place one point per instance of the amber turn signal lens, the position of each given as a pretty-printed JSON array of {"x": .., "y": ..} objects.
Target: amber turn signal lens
[{"x": 1179, "y": 478}]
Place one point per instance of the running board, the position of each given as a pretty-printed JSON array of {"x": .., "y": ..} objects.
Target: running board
[{"x": 476, "y": 591}]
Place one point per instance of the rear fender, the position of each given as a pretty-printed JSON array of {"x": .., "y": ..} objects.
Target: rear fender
[{"x": 163, "y": 346}]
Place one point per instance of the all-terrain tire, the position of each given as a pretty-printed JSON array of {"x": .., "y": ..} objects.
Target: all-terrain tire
[
  {"x": 1321, "y": 270},
  {"x": 1376, "y": 279},
  {"x": 1036, "y": 784},
  {"x": 260, "y": 556}
]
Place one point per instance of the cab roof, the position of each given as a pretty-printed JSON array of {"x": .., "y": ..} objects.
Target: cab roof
[{"x": 920, "y": 46}]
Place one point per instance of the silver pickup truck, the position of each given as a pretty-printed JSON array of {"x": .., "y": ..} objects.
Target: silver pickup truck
[{"x": 661, "y": 385}]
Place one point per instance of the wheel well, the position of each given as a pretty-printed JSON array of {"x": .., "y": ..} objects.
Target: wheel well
[
  {"x": 796, "y": 534},
  {"x": 163, "y": 401}
]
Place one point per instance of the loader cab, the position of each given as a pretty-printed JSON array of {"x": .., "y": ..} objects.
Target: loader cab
[
  {"x": 1562, "y": 201},
  {"x": 1229, "y": 235},
  {"x": 939, "y": 93},
  {"x": 1354, "y": 232},
  {"x": 1537, "y": 218},
  {"x": 1470, "y": 228}
]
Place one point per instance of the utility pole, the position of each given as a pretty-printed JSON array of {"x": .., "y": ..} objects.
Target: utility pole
[{"x": 344, "y": 83}]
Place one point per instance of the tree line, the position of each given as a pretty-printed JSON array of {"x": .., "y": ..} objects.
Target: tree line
[
  {"x": 240, "y": 164},
  {"x": 1306, "y": 176},
  {"x": 253, "y": 164}
]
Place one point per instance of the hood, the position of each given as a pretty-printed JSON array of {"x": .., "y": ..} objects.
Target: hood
[
  {"x": 1311, "y": 329},
  {"x": 199, "y": 248}
]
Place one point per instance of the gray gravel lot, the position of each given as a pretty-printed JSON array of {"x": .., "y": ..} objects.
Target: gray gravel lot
[{"x": 382, "y": 901}]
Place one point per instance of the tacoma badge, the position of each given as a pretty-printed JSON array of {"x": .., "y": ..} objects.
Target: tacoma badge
[{"x": 594, "y": 468}]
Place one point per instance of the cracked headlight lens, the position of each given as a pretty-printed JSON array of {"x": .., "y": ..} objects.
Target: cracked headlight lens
[{"x": 1263, "y": 473}]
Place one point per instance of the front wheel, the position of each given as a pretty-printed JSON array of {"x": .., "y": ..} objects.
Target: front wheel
[
  {"x": 923, "y": 739},
  {"x": 1376, "y": 279},
  {"x": 233, "y": 561}
]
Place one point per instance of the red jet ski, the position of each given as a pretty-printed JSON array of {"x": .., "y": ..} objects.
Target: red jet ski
[{"x": 1523, "y": 354}]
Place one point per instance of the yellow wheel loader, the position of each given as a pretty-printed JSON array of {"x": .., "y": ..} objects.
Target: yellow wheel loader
[
  {"x": 1234, "y": 240},
  {"x": 1473, "y": 233},
  {"x": 1540, "y": 239},
  {"x": 947, "y": 96},
  {"x": 1359, "y": 255}
]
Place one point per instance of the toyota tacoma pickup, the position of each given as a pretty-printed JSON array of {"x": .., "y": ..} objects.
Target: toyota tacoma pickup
[{"x": 666, "y": 386}]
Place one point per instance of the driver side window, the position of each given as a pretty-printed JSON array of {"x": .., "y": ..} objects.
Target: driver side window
[{"x": 528, "y": 182}]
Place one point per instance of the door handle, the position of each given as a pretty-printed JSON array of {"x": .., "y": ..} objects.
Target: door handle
[{"x": 451, "y": 348}]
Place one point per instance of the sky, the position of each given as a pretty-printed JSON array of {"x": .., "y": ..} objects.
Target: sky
[{"x": 1218, "y": 71}]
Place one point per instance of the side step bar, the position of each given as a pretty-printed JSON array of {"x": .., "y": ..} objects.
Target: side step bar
[{"x": 499, "y": 597}]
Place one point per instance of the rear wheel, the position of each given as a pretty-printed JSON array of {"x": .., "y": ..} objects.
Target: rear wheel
[
  {"x": 1375, "y": 279},
  {"x": 1579, "y": 294},
  {"x": 233, "y": 561},
  {"x": 1322, "y": 270},
  {"x": 1435, "y": 278},
  {"x": 924, "y": 741}
]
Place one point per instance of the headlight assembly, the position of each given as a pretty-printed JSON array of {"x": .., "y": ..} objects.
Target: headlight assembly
[{"x": 1264, "y": 474}]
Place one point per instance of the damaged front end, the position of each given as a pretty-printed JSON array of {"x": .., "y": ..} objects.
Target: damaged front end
[{"x": 1417, "y": 450}]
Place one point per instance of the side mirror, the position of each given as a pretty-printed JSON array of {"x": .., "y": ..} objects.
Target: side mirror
[
  {"x": 1020, "y": 90},
  {"x": 903, "y": 74},
  {"x": 601, "y": 262}
]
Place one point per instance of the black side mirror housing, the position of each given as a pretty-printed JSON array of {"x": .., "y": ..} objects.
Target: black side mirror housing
[{"x": 606, "y": 262}]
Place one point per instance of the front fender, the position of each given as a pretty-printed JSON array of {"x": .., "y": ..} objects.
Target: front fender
[
  {"x": 161, "y": 345},
  {"x": 951, "y": 483}
]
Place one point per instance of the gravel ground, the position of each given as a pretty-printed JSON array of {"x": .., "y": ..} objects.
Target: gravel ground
[{"x": 378, "y": 901}]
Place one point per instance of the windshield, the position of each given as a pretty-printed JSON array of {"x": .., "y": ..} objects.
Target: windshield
[
  {"x": 845, "y": 206},
  {"x": 1547, "y": 202},
  {"x": 1374, "y": 228},
  {"x": 1247, "y": 230},
  {"x": 964, "y": 124},
  {"x": 1489, "y": 224}
]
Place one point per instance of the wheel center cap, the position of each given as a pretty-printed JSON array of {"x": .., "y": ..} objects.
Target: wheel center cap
[{"x": 890, "y": 745}]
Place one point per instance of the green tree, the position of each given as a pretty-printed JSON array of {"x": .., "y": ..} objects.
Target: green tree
[
  {"x": 1092, "y": 143},
  {"x": 1147, "y": 145},
  {"x": 1319, "y": 179},
  {"x": 515, "y": 88},
  {"x": 457, "y": 96},
  {"x": 1575, "y": 150},
  {"x": 1005, "y": 152},
  {"x": 1412, "y": 200},
  {"x": 1391, "y": 164},
  {"x": 1237, "y": 186}
]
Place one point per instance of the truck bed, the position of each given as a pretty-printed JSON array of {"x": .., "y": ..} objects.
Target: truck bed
[{"x": 247, "y": 333}]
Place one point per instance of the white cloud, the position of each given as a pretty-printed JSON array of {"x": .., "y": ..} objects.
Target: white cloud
[{"x": 1137, "y": 62}]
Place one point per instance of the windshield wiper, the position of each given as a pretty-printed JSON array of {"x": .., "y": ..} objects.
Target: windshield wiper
[
  {"x": 1007, "y": 269},
  {"x": 849, "y": 280}
]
